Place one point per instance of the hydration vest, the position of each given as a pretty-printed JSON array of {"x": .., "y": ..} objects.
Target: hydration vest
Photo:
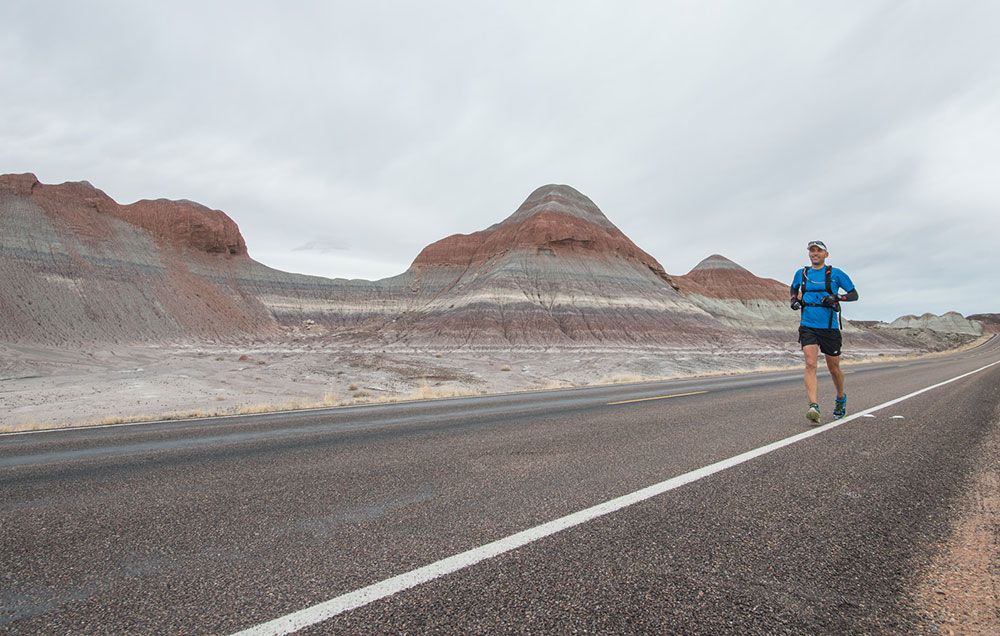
[{"x": 835, "y": 309}]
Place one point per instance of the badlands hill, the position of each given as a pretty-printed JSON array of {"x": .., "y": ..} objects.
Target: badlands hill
[
  {"x": 949, "y": 322},
  {"x": 990, "y": 322},
  {"x": 737, "y": 297},
  {"x": 555, "y": 272},
  {"x": 77, "y": 267}
]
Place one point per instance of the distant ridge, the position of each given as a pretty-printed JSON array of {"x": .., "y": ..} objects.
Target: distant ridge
[
  {"x": 990, "y": 322},
  {"x": 948, "y": 322},
  {"x": 77, "y": 267}
]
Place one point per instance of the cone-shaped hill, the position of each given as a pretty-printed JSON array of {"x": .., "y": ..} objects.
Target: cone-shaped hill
[{"x": 75, "y": 266}]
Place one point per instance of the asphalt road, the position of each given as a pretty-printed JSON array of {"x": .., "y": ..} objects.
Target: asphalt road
[{"x": 220, "y": 525}]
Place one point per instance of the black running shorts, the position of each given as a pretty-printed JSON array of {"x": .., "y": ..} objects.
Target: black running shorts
[{"x": 829, "y": 340}]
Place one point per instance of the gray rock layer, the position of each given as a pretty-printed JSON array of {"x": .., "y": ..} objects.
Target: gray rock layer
[{"x": 76, "y": 267}]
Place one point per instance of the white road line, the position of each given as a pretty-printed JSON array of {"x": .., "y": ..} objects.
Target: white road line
[
  {"x": 327, "y": 609},
  {"x": 657, "y": 397}
]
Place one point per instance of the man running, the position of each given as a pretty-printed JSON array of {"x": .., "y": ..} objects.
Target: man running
[{"x": 815, "y": 292}]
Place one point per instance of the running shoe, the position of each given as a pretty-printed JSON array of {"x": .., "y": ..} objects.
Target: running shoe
[
  {"x": 840, "y": 407},
  {"x": 813, "y": 413}
]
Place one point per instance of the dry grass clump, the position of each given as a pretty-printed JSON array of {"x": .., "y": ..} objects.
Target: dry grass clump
[
  {"x": 24, "y": 426},
  {"x": 329, "y": 399},
  {"x": 184, "y": 415},
  {"x": 625, "y": 378},
  {"x": 427, "y": 392},
  {"x": 556, "y": 384},
  {"x": 251, "y": 409},
  {"x": 43, "y": 426}
]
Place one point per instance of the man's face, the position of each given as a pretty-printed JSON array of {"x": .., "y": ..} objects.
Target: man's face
[{"x": 817, "y": 255}]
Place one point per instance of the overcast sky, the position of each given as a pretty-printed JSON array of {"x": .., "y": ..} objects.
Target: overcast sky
[{"x": 343, "y": 137}]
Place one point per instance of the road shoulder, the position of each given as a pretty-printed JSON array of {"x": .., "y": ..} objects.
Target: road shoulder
[{"x": 960, "y": 591}]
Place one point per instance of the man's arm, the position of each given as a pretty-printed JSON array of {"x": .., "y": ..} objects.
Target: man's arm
[
  {"x": 844, "y": 282},
  {"x": 849, "y": 296},
  {"x": 831, "y": 300},
  {"x": 793, "y": 289}
]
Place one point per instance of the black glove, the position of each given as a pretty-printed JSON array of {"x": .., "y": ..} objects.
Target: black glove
[
  {"x": 796, "y": 304},
  {"x": 829, "y": 301}
]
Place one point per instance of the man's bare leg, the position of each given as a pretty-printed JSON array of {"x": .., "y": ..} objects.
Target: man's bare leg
[
  {"x": 811, "y": 353},
  {"x": 833, "y": 364}
]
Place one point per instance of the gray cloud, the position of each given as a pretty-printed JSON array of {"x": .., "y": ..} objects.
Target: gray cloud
[{"x": 740, "y": 128}]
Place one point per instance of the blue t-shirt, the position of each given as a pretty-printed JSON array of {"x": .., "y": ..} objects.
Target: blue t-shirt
[{"x": 821, "y": 317}]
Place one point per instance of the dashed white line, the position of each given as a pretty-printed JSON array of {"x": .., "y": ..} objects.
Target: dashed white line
[
  {"x": 657, "y": 397},
  {"x": 328, "y": 609}
]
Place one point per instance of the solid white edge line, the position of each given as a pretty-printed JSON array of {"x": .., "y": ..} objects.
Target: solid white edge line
[{"x": 328, "y": 609}]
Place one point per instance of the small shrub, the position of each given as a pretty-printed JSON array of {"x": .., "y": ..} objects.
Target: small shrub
[
  {"x": 254, "y": 408},
  {"x": 26, "y": 426}
]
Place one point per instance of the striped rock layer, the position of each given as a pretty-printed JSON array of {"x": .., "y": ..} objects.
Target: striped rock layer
[
  {"x": 77, "y": 267},
  {"x": 738, "y": 298}
]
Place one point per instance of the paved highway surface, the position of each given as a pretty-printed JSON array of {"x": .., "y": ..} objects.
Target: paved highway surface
[{"x": 227, "y": 524}]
